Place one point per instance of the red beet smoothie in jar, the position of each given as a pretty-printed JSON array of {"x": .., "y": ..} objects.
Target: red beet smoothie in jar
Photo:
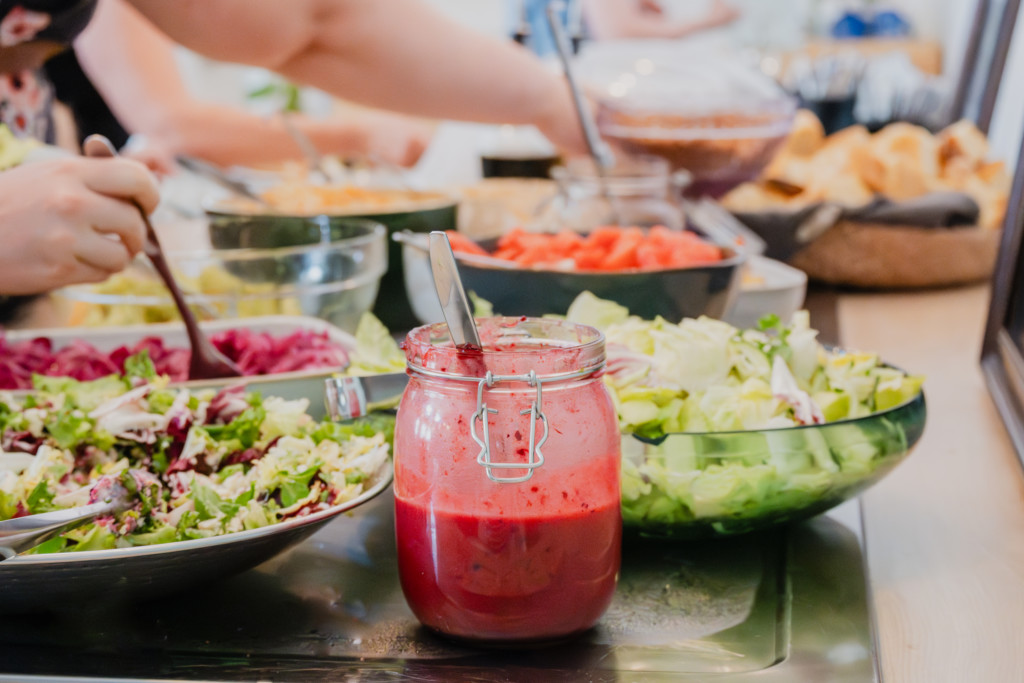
[{"x": 497, "y": 561}]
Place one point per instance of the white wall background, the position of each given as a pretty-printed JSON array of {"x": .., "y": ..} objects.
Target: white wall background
[
  {"x": 931, "y": 18},
  {"x": 1008, "y": 119}
]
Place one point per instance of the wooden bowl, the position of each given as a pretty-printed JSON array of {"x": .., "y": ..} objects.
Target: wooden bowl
[{"x": 880, "y": 256}]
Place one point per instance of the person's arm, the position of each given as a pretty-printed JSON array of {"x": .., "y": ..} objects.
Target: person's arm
[
  {"x": 610, "y": 19},
  {"x": 83, "y": 226},
  {"x": 394, "y": 54},
  {"x": 132, "y": 65}
]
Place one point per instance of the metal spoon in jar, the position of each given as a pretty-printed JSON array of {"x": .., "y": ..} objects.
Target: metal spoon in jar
[
  {"x": 454, "y": 304},
  {"x": 349, "y": 397},
  {"x": 207, "y": 362}
]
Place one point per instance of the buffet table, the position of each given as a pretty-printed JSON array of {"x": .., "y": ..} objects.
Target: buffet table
[
  {"x": 944, "y": 541},
  {"x": 945, "y": 530}
]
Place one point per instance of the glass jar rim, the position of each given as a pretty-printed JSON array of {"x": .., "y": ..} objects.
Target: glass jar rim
[{"x": 577, "y": 352}]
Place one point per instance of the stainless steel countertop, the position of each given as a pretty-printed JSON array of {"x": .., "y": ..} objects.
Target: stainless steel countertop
[{"x": 779, "y": 606}]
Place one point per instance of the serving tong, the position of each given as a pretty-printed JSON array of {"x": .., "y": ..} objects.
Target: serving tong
[
  {"x": 722, "y": 227},
  {"x": 603, "y": 158},
  {"x": 217, "y": 175}
]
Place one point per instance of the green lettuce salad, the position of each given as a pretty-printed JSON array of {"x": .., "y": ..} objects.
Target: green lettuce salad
[
  {"x": 710, "y": 404},
  {"x": 193, "y": 463}
]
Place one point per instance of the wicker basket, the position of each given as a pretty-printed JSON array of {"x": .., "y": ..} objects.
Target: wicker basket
[{"x": 874, "y": 255}]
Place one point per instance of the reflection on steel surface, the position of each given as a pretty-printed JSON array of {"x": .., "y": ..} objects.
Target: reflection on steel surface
[{"x": 786, "y": 605}]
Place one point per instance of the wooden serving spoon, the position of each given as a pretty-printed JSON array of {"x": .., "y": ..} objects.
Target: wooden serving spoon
[{"x": 207, "y": 362}]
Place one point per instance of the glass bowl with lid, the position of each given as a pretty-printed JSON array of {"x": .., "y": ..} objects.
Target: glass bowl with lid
[{"x": 719, "y": 119}]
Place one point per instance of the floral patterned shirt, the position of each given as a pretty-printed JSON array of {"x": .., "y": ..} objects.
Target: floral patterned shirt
[{"x": 26, "y": 96}]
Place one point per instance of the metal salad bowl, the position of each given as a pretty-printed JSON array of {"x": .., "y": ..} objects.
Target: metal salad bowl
[
  {"x": 94, "y": 577},
  {"x": 700, "y": 485},
  {"x": 672, "y": 293}
]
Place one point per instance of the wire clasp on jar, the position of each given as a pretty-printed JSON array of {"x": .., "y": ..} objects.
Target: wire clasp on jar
[{"x": 534, "y": 456}]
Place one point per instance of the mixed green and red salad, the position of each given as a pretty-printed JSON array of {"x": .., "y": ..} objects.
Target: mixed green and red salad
[{"x": 194, "y": 463}]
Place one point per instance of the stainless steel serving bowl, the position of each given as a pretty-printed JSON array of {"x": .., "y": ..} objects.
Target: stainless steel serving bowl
[{"x": 672, "y": 293}]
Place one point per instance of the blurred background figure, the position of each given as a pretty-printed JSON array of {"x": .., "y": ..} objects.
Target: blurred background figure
[
  {"x": 122, "y": 79},
  {"x": 614, "y": 19},
  {"x": 81, "y": 215}
]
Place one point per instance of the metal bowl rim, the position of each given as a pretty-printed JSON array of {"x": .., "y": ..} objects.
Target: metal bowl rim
[
  {"x": 384, "y": 478},
  {"x": 917, "y": 398},
  {"x": 733, "y": 261},
  {"x": 377, "y": 233},
  {"x": 442, "y": 201}
]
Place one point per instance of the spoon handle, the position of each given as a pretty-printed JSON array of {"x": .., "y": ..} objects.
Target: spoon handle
[
  {"x": 206, "y": 362},
  {"x": 98, "y": 146}
]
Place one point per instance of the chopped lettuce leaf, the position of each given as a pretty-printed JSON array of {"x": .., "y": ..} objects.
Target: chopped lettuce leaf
[
  {"x": 92, "y": 537},
  {"x": 244, "y": 429},
  {"x": 587, "y": 309},
  {"x": 86, "y": 396},
  {"x": 376, "y": 350},
  {"x": 482, "y": 308},
  {"x": 70, "y": 427},
  {"x": 140, "y": 365},
  {"x": 296, "y": 486},
  {"x": 163, "y": 534}
]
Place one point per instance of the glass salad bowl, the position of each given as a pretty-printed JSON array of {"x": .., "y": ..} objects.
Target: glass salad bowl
[
  {"x": 699, "y": 485},
  {"x": 331, "y": 272}
]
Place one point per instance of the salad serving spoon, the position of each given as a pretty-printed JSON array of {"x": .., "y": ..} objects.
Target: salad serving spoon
[
  {"x": 22, "y": 533},
  {"x": 207, "y": 362}
]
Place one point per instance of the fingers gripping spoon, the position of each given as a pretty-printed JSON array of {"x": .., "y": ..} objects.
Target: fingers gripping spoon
[{"x": 207, "y": 362}]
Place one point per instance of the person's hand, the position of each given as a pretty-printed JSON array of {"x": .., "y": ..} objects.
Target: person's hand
[
  {"x": 396, "y": 139},
  {"x": 720, "y": 14},
  {"x": 155, "y": 156},
  {"x": 651, "y": 6},
  {"x": 560, "y": 123},
  {"x": 70, "y": 221}
]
